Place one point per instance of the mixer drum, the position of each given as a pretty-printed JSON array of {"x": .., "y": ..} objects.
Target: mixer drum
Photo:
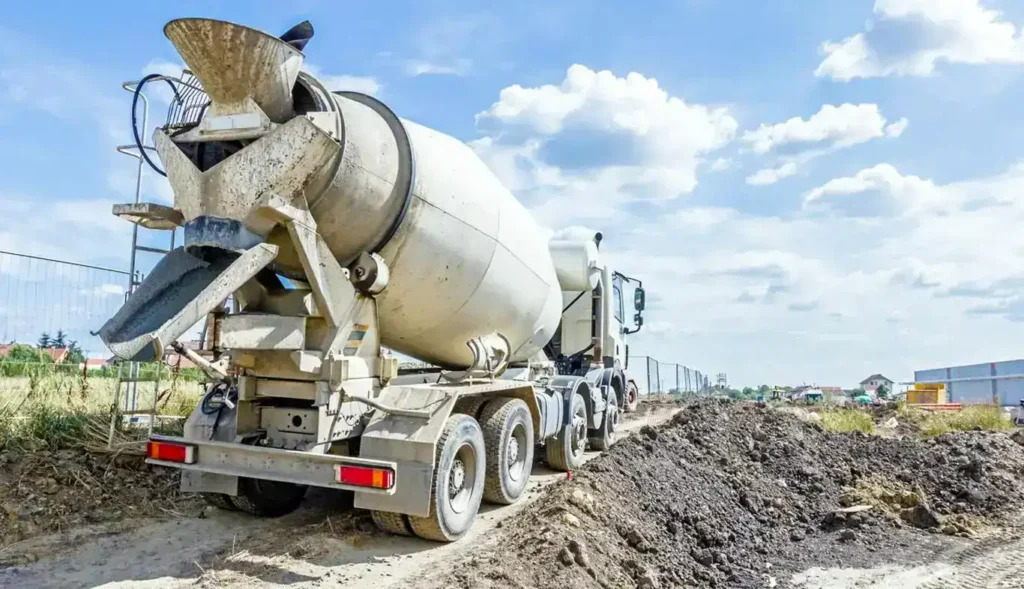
[{"x": 466, "y": 258}]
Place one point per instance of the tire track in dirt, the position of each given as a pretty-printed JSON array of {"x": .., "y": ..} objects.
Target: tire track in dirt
[{"x": 233, "y": 550}]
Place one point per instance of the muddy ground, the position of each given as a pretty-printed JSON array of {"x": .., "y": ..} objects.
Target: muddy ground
[
  {"x": 721, "y": 495},
  {"x": 741, "y": 495},
  {"x": 128, "y": 538}
]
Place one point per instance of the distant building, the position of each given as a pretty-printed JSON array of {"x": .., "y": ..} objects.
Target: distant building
[
  {"x": 96, "y": 363},
  {"x": 1000, "y": 383},
  {"x": 871, "y": 383}
]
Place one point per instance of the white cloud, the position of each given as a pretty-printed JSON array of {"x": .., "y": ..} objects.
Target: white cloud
[
  {"x": 952, "y": 31},
  {"x": 459, "y": 67},
  {"x": 898, "y": 194},
  {"x": 840, "y": 126},
  {"x": 649, "y": 143},
  {"x": 702, "y": 218},
  {"x": 896, "y": 129},
  {"x": 442, "y": 45},
  {"x": 335, "y": 83},
  {"x": 803, "y": 283},
  {"x": 830, "y": 129},
  {"x": 772, "y": 175},
  {"x": 721, "y": 164}
]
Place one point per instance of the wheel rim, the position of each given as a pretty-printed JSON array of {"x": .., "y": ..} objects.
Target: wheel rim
[
  {"x": 462, "y": 478},
  {"x": 516, "y": 452},
  {"x": 579, "y": 431}
]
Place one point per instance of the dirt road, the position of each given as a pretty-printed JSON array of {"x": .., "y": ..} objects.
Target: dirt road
[
  {"x": 323, "y": 545},
  {"x": 993, "y": 562}
]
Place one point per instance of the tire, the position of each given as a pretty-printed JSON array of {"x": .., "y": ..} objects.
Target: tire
[
  {"x": 565, "y": 450},
  {"x": 632, "y": 397},
  {"x": 220, "y": 501},
  {"x": 508, "y": 437},
  {"x": 393, "y": 523},
  {"x": 603, "y": 437},
  {"x": 459, "y": 467},
  {"x": 268, "y": 498},
  {"x": 471, "y": 406}
]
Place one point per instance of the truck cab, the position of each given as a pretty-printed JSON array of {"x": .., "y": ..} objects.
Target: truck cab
[{"x": 592, "y": 338}]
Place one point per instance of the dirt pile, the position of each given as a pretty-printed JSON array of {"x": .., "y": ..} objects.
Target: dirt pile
[
  {"x": 729, "y": 495},
  {"x": 45, "y": 492}
]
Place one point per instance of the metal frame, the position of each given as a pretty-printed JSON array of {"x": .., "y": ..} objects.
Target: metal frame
[
  {"x": 131, "y": 380},
  {"x": 289, "y": 466}
]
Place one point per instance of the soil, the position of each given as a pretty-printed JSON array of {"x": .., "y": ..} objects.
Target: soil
[
  {"x": 741, "y": 495},
  {"x": 46, "y": 492},
  {"x": 323, "y": 544},
  {"x": 722, "y": 495}
]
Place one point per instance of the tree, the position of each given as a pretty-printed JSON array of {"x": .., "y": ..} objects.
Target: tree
[
  {"x": 23, "y": 353},
  {"x": 75, "y": 354},
  {"x": 882, "y": 391},
  {"x": 44, "y": 341},
  {"x": 764, "y": 390},
  {"x": 60, "y": 340}
]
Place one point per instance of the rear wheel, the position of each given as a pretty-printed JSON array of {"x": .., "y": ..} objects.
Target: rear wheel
[
  {"x": 268, "y": 498},
  {"x": 393, "y": 523},
  {"x": 565, "y": 450},
  {"x": 219, "y": 500},
  {"x": 603, "y": 437},
  {"x": 632, "y": 397},
  {"x": 458, "y": 482},
  {"x": 470, "y": 406},
  {"x": 508, "y": 437}
]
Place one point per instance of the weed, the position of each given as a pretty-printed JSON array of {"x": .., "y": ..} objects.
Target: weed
[
  {"x": 972, "y": 417},
  {"x": 847, "y": 420}
]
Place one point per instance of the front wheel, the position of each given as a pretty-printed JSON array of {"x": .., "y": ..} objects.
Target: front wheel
[
  {"x": 458, "y": 482},
  {"x": 632, "y": 397},
  {"x": 565, "y": 450}
]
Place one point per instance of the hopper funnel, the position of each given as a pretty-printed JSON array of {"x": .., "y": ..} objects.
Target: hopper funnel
[{"x": 235, "y": 63}]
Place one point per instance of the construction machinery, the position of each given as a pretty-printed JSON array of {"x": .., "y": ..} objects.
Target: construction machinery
[{"x": 335, "y": 228}]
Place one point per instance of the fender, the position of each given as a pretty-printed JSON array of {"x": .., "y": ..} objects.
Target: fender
[{"x": 568, "y": 386}]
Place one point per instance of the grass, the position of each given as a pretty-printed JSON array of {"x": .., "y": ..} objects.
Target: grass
[
  {"x": 970, "y": 418},
  {"x": 847, "y": 420},
  {"x": 55, "y": 411}
]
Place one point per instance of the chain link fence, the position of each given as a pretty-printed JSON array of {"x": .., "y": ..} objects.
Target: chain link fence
[{"x": 654, "y": 376}]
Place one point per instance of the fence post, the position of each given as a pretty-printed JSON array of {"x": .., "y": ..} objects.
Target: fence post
[{"x": 648, "y": 375}]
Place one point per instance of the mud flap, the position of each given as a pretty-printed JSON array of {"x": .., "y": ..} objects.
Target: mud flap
[{"x": 180, "y": 291}]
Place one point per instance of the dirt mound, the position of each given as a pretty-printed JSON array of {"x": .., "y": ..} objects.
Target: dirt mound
[
  {"x": 45, "y": 492},
  {"x": 729, "y": 495}
]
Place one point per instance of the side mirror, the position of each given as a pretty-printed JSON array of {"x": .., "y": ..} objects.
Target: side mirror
[
  {"x": 639, "y": 300},
  {"x": 639, "y": 320}
]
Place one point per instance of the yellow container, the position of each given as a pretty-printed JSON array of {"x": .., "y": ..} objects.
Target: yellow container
[{"x": 927, "y": 394}]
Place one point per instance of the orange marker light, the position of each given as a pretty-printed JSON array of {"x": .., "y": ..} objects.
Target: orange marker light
[
  {"x": 171, "y": 452},
  {"x": 363, "y": 476}
]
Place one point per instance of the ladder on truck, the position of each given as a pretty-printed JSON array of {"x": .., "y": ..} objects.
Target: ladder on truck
[{"x": 187, "y": 103}]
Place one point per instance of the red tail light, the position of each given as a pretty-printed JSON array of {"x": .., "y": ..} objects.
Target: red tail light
[
  {"x": 363, "y": 476},
  {"x": 171, "y": 452}
]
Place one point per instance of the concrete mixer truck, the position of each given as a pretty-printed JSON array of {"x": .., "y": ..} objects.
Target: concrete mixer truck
[{"x": 340, "y": 231}]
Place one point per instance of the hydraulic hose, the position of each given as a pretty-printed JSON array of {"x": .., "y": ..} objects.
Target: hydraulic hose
[{"x": 135, "y": 123}]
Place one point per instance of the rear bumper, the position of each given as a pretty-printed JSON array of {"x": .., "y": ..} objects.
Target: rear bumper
[{"x": 288, "y": 466}]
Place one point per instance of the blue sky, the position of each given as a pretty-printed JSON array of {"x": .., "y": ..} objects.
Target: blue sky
[{"x": 813, "y": 190}]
